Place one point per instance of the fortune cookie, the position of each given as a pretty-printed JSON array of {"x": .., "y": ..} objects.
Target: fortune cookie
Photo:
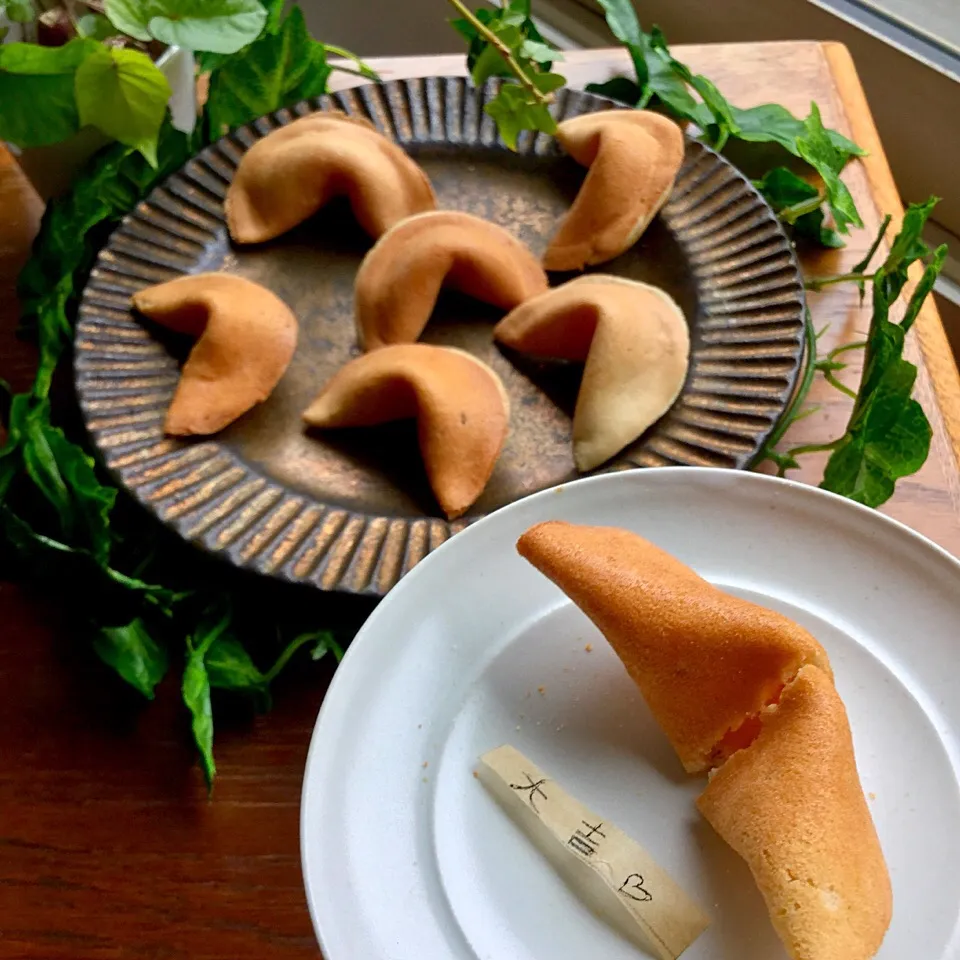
[
  {"x": 460, "y": 405},
  {"x": 291, "y": 173},
  {"x": 247, "y": 337},
  {"x": 400, "y": 278},
  {"x": 792, "y": 806},
  {"x": 633, "y": 158},
  {"x": 704, "y": 660},
  {"x": 749, "y": 694},
  {"x": 636, "y": 345}
]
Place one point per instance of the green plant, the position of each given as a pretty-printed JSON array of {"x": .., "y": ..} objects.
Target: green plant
[
  {"x": 97, "y": 69},
  {"x": 506, "y": 43},
  {"x": 58, "y": 516},
  {"x": 887, "y": 435}
]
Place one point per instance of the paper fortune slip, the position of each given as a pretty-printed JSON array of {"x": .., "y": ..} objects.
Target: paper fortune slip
[{"x": 613, "y": 875}]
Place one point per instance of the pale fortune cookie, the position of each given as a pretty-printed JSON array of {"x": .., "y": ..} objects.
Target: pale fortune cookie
[
  {"x": 460, "y": 405},
  {"x": 296, "y": 170},
  {"x": 401, "y": 276},
  {"x": 247, "y": 336},
  {"x": 633, "y": 158},
  {"x": 636, "y": 345}
]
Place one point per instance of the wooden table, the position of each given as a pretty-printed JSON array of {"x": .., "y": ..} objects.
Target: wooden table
[{"x": 108, "y": 846}]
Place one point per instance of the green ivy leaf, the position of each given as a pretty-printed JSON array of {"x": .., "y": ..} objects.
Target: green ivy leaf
[
  {"x": 64, "y": 474},
  {"x": 130, "y": 17},
  {"x": 219, "y": 26},
  {"x": 924, "y": 287},
  {"x": 95, "y": 26},
  {"x": 18, "y": 11},
  {"x": 134, "y": 654},
  {"x": 31, "y": 75},
  {"x": 539, "y": 52},
  {"x": 547, "y": 83},
  {"x": 818, "y": 150},
  {"x": 783, "y": 189},
  {"x": 812, "y": 226},
  {"x": 490, "y": 64},
  {"x": 773, "y": 123},
  {"x": 893, "y": 442},
  {"x": 623, "y": 23},
  {"x": 514, "y": 110},
  {"x": 98, "y": 590},
  {"x": 196, "y": 686},
  {"x": 622, "y": 89},
  {"x": 230, "y": 667},
  {"x": 195, "y": 690},
  {"x": 888, "y": 435},
  {"x": 276, "y": 70},
  {"x": 124, "y": 94},
  {"x": 664, "y": 85}
]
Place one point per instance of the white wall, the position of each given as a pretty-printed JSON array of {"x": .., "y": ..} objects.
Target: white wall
[{"x": 374, "y": 28}]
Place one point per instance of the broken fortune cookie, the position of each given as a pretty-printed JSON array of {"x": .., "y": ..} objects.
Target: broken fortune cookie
[
  {"x": 636, "y": 345},
  {"x": 247, "y": 336},
  {"x": 633, "y": 158},
  {"x": 749, "y": 693},
  {"x": 792, "y": 806},
  {"x": 294, "y": 171},
  {"x": 460, "y": 405},
  {"x": 401, "y": 276}
]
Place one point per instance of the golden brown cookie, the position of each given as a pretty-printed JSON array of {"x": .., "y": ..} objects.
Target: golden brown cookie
[
  {"x": 247, "y": 336},
  {"x": 460, "y": 405},
  {"x": 400, "y": 278},
  {"x": 633, "y": 158}
]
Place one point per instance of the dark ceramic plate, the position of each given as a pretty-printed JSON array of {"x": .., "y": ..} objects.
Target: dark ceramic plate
[{"x": 352, "y": 510}]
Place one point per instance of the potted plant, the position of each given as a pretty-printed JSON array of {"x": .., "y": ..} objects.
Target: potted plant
[{"x": 106, "y": 70}]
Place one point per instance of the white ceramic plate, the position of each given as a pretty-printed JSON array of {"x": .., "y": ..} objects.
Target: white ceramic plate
[{"x": 405, "y": 855}]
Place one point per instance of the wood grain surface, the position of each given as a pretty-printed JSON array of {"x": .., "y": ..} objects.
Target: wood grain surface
[{"x": 108, "y": 845}]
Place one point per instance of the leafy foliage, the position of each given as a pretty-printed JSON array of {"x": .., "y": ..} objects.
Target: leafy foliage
[
  {"x": 30, "y": 75},
  {"x": 277, "y": 69},
  {"x": 798, "y": 204},
  {"x": 96, "y": 26},
  {"x": 888, "y": 434},
  {"x": 134, "y": 654},
  {"x": 220, "y": 26},
  {"x": 57, "y": 515},
  {"x": 666, "y": 84},
  {"x": 123, "y": 94},
  {"x": 19, "y": 11},
  {"x": 506, "y": 43}
]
